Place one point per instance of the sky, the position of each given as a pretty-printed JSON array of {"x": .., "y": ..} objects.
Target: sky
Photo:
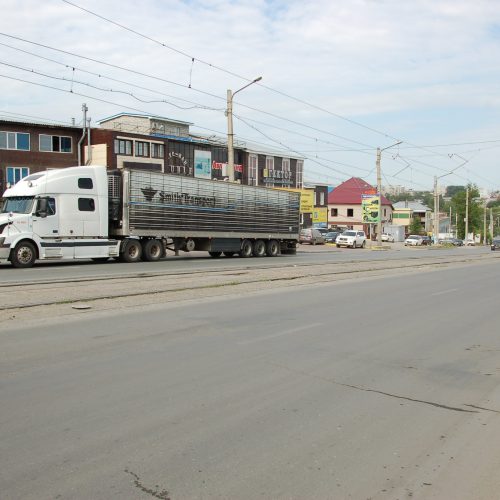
[{"x": 418, "y": 79}]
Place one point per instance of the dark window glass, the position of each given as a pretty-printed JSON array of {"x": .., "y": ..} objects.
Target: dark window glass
[
  {"x": 86, "y": 204},
  {"x": 66, "y": 144},
  {"x": 23, "y": 142},
  {"x": 350, "y": 212},
  {"x": 85, "y": 183},
  {"x": 335, "y": 212},
  {"x": 56, "y": 143}
]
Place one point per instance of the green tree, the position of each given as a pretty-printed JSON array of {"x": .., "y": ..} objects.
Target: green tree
[
  {"x": 475, "y": 211},
  {"x": 415, "y": 226}
]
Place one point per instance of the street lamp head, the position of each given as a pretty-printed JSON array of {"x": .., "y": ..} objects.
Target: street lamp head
[{"x": 258, "y": 79}]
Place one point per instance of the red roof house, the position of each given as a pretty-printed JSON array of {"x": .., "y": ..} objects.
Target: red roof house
[{"x": 344, "y": 204}]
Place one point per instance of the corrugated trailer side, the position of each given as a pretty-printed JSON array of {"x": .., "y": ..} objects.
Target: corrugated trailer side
[{"x": 201, "y": 214}]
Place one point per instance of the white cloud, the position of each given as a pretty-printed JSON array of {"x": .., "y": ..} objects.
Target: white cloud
[{"x": 425, "y": 70}]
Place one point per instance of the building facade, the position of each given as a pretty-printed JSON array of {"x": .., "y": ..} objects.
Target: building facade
[{"x": 27, "y": 148}]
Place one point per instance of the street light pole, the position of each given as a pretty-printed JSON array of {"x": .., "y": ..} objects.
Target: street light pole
[{"x": 230, "y": 135}]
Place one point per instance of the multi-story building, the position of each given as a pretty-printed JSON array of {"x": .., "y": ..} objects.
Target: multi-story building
[
  {"x": 26, "y": 148},
  {"x": 139, "y": 142}
]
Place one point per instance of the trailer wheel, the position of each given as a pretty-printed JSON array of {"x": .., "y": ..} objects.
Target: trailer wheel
[
  {"x": 23, "y": 255},
  {"x": 132, "y": 251},
  {"x": 152, "y": 250},
  {"x": 215, "y": 255},
  {"x": 272, "y": 248},
  {"x": 246, "y": 249},
  {"x": 259, "y": 248}
]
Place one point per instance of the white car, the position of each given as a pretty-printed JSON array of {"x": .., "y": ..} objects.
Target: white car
[
  {"x": 351, "y": 238},
  {"x": 387, "y": 237},
  {"x": 414, "y": 240}
]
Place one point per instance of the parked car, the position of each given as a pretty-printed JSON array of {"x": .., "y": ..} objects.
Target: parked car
[
  {"x": 322, "y": 230},
  {"x": 495, "y": 244},
  {"x": 311, "y": 236},
  {"x": 414, "y": 240},
  {"x": 351, "y": 238},
  {"x": 387, "y": 237},
  {"x": 331, "y": 237},
  {"x": 426, "y": 240},
  {"x": 456, "y": 242}
]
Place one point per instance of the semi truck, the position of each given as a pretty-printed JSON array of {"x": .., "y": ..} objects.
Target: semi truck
[{"x": 91, "y": 212}]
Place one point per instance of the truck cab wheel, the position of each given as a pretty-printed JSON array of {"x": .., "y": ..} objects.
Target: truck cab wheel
[
  {"x": 259, "y": 248},
  {"x": 132, "y": 251},
  {"x": 23, "y": 255},
  {"x": 152, "y": 250},
  {"x": 246, "y": 249}
]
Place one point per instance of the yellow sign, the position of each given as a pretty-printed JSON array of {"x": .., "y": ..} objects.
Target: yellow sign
[
  {"x": 306, "y": 199},
  {"x": 320, "y": 215}
]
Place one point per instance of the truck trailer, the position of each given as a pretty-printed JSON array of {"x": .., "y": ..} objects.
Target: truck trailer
[{"x": 90, "y": 212}]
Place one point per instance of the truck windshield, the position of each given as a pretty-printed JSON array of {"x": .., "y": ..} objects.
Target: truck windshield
[{"x": 18, "y": 204}]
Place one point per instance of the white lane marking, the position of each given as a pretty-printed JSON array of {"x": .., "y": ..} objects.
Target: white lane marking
[
  {"x": 281, "y": 334},
  {"x": 444, "y": 291}
]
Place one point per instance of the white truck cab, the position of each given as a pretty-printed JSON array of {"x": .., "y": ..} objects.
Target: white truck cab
[{"x": 57, "y": 214}]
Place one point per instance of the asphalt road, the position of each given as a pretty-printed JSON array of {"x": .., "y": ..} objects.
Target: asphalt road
[
  {"x": 201, "y": 261},
  {"x": 383, "y": 387}
]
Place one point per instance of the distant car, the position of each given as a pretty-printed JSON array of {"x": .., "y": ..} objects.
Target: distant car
[
  {"x": 387, "y": 237},
  {"x": 322, "y": 230},
  {"x": 414, "y": 240},
  {"x": 331, "y": 237},
  {"x": 351, "y": 238},
  {"x": 311, "y": 236},
  {"x": 426, "y": 240},
  {"x": 495, "y": 244}
]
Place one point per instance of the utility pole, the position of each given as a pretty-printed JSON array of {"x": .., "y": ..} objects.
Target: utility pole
[
  {"x": 491, "y": 222},
  {"x": 435, "y": 231},
  {"x": 466, "y": 215},
  {"x": 230, "y": 135},
  {"x": 379, "y": 190},
  {"x": 485, "y": 242}
]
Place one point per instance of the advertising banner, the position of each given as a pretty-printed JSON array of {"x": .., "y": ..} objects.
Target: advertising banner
[
  {"x": 370, "y": 207},
  {"x": 306, "y": 199},
  {"x": 320, "y": 217},
  {"x": 202, "y": 164}
]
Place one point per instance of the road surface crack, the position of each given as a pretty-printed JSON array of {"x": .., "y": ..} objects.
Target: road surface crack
[
  {"x": 162, "y": 495},
  {"x": 383, "y": 393}
]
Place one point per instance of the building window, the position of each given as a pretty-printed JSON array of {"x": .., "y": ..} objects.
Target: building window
[
  {"x": 322, "y": 198},
  {"x": 270, "y": 162},
  {"x": 15, "y": 140},
  {"x": 350, "y": 212},
  {"x": 253, "y": 162},
  {"x": 85, "y": 183},
  {"x": 385, "y": 212},
  {"x": 142, "y": 149},
  {"x": 55, "y": 144},
  {"x": 123, "y": 147},
  {"x": 286, "y": 165},
  {"x": 300, "y": 173},
  {"x": 334, "y": 212},
  {"x": 15, "y": 174},
  {"x": 86, "y": 204},
  {"x": 157, "y": 150}
]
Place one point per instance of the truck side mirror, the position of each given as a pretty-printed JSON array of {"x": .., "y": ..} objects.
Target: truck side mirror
[{"x": 41, "y": 209}]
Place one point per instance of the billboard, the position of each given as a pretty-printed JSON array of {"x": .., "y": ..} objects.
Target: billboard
[
  {"x": 320, "y": 217},
  {"x": 202, "y": 164},
  {"x": 370, "y": 208},
  {"x": 306, "y": 199}
]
